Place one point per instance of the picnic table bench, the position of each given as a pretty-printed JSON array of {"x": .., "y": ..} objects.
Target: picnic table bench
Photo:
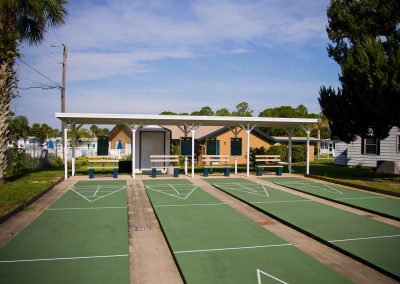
[
  {"x": 104, "y": 165},
  {"x": 164, "y": 162},
  {"x": 216, "y": 161},
  {"x": 269, "y": 161}
]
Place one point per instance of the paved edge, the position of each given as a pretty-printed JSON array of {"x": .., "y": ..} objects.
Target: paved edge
[
  {"x": 353, "y": 270},
  {"x": 150, "y": 258}
]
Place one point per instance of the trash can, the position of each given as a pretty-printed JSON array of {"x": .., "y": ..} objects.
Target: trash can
[
  {"x": 91, "y": 173},
  {"x": 227, "y": 172},
  {"x": 205, "y": 172},
  {"x": 153, "y": 172},
  {"x": 259, "y": 171},
  {"x": 279, "y": 171},
  {"x": 115, "y": 173},
  {"x": 176, "y": 172}
]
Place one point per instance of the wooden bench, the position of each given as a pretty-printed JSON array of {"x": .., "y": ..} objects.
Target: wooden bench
[
  {"x": 92, "y": 166},
  {"x": 216, "y": 161},
  {"x": 269, "y": 161},
  {"x": 159, "y": 162}
]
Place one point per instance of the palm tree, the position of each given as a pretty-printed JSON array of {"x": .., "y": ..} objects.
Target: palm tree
[{"x": 20, "y": 20}]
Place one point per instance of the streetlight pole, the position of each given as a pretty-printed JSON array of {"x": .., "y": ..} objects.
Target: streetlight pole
[{"x": 63, "y": 78}]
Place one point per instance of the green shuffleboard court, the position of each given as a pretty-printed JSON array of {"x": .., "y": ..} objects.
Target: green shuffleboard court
[
  {"x": 372, "y": 242},
  {"x": 213, "y": 243},
  {"x": 80, "y": 238},
  {"x": 379, "y": 204}
]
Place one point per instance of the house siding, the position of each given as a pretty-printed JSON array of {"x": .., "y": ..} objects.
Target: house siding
[
  {"x": 388, "y": 151},
  {"x": 341, "y": 153}
]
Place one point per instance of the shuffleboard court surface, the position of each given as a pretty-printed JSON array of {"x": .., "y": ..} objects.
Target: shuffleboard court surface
[
  {"x": 375, "y": 243},
  {"x": 379, "y": 204},
  {"x": 213, "y": 243},
  {"x": 80, "y": 238}
]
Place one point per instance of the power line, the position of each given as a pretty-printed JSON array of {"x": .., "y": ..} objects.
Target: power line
[
  {"x": 32, "y": 80},
  {"x": 38, "y": 72}
]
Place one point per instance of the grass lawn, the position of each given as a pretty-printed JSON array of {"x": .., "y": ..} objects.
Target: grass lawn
[
  {"x": 354, "y": 175},
  {"x": 16, "y": 192}
]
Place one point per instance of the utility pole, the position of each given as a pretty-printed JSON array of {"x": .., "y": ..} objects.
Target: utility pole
[{"x": 63, "y": 77}]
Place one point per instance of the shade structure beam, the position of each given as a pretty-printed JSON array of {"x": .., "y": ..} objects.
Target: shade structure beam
[
  {"x": 248, "y": 128},
  {"x": 66, "y": 150}
]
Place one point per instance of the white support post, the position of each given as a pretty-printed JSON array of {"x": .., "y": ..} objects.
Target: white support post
[
  {"x": 307, "y": 129},
  {"x": 186, "y": 165},
  {"x": 248, "y": 129},
  {"x": 133, "y": 127},
  {"x": 235, "y": 165},
  {"x": 289, "y": 132},
  {"x": 193, "y": 130},
  {"x": 73, "y": 150},
  {"x": 65, "y": 152},
  {"x": 133, "y": 151}
]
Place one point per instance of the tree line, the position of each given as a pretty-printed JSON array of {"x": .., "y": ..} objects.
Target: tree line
[
  {"x": 243, "y": 109},
  {"x": 19, "y": 128}
]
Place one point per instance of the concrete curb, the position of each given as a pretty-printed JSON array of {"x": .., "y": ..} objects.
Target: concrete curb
[{"x": 29, "y": 202}]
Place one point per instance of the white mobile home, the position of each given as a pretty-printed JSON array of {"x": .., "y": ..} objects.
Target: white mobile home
[{"x": 368, "y": 151}]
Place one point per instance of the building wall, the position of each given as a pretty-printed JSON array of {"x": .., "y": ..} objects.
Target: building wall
[
  {"x": 122, "y": 133},
  {"x": 255, "y": 142},
  {"x": 388, "y": 151}
]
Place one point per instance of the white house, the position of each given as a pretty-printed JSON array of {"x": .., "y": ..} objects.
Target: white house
[{"x": 368, "y": 151}]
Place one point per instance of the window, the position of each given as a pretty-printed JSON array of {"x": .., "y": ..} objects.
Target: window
[
  {"x": 236, "y": 146},
  {"x": 186, "y": 146},
  {"x": 370, "y": 146},
  {"x": 398, "y": 143},
  {"x": 212, "y": 147}
]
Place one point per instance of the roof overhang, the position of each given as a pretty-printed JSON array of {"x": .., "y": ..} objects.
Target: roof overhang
[{"x": 230, "y": 121}]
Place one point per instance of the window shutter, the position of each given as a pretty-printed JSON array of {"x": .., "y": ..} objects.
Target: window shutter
[
  {"x": 378, "y": 146},
  {"x": 362, "y": 146}
]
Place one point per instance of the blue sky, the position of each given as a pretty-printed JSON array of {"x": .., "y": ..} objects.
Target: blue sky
[{"x": 145, "y": 57}]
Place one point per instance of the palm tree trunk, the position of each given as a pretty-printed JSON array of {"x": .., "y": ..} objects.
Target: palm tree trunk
[{"x": 6, "y": 85}]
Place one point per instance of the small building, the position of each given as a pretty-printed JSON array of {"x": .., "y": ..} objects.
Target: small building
[
  {"x": 368, "y": 152},
  {"x": 150, "y": 140},
  {"x": 212, "y": 140}
]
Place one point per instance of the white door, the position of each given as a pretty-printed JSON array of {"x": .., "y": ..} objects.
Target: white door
[{"x": 151, "y": 143}]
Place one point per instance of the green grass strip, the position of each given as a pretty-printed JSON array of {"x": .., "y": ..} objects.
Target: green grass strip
[
  {"x": 213, "y": 243},
  {"x": 373, "y": 242},
  {"x": 382, "y": 205},
  {"x": 74, "y": 241}
]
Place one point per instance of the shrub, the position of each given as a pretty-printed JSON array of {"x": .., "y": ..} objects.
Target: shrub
[
  {"x": 280, "y": 150},
  {"x": 298, "y": 153},
  {"x": 57, "y": 162},
  {"x": 81, "y": 161},
  {"x": 18, "y": 162}
]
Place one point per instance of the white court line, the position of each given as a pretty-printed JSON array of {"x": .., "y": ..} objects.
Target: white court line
[
  {"x": 173, "y": 195},
  {"x": 186, "y": 205},
  {"x": 369, "y": 197},
  {"x": 80, "y": 195},
  {"x": 368, "y": 238},
  {"x": 88, "y": 208},
  {"x": 63, "y": 258},
  {"x": 235, "y": 248},
  {"x": 110, "y": 193},
  {"x": 98, "y": 187},
  {"x": 259, "y": 272},
  {"x": 265, "y": 189},
  {"x": 283, "y": 201},
  {"x": 174, "y": 189}
]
